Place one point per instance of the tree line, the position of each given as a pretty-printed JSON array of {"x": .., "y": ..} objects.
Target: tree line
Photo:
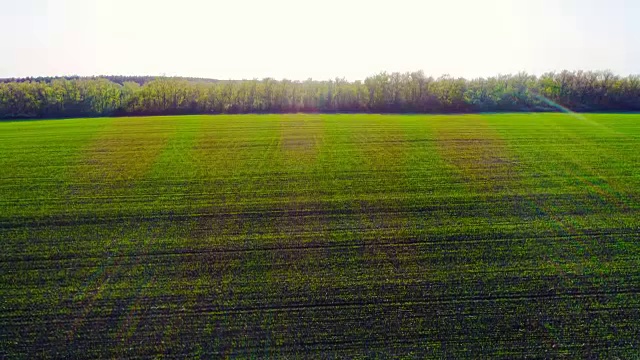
[{"x": 411, "y": 92}]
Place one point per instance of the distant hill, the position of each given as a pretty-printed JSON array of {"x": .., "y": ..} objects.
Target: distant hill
[{"x": 118, "y": 79}]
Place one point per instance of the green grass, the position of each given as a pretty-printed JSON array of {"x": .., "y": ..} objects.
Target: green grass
[{"x": 321, "y": 235}]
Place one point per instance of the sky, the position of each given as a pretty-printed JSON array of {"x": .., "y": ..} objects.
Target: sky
[{"x": 299, "y": 39}]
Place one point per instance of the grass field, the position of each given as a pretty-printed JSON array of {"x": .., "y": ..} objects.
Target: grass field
[{"x": 321, "y": 236}]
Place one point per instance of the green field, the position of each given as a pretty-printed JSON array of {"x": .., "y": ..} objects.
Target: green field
[{"x": 513, "y": 235}]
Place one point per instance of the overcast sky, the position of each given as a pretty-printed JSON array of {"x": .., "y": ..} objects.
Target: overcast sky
[{"x": 298, "y": 39}]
